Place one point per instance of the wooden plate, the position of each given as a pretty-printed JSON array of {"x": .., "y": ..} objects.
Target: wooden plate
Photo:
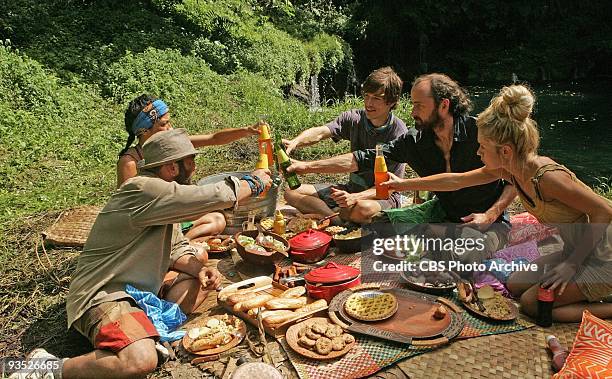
[
  {"x": 232, "y": 343},
  {"x": 221, "y": 249},
  {"x": 514, "y": 312},
  {"x": 292, "y": 339}
]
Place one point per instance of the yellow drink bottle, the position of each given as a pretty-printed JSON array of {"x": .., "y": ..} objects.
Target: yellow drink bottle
[{"x": 265, "y": 143}]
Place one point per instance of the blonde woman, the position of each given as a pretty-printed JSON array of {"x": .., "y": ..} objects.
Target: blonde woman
[{"x": 580, "y": 275}]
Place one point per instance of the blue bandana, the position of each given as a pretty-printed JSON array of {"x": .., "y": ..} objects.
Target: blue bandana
[{"x": 145, "y": 120}]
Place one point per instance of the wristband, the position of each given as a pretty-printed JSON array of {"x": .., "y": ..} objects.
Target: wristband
[
  {"x": 260, "y": 182},
  {"x": 255, "y": 190}
]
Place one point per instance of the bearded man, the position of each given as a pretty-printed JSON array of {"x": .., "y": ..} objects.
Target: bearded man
[
  {"x": 445, "y": 139},
  {"x": 135, "y": 240}
]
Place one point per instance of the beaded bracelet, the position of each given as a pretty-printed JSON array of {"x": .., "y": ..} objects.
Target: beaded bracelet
[{"x": 253, "y": 185}]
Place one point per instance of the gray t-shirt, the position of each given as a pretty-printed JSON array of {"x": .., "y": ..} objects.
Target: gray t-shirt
[{"x": 355, "y": 127}]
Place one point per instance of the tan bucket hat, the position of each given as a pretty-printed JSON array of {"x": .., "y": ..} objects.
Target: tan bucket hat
[{"x": 166, "y": 147}]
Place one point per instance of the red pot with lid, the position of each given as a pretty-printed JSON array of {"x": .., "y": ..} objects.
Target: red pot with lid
[
  {"x": 310, "y": 246},
  {"x": 328, "y": 281}
]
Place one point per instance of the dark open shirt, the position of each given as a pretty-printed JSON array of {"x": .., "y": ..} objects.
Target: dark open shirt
[{"x": 419, "y": 150}]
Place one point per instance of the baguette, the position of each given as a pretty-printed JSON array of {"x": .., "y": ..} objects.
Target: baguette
[
  {"x": 255, "y": 302},
  {"x": 213, "y": 341},
  {"x": 293, "y": 292},
  {"x": 240, "y": 297},
  {"x": 243, "y": 291},
  {"x": 279, "y": 318},
  {"x": 286, "y": 303},
  {"x": 316, "y": 305}
]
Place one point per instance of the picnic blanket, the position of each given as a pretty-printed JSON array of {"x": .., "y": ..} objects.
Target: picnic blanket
[{"x": 371, "y": 354}]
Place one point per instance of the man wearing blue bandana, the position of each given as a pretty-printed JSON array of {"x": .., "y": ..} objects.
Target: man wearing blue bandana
[
  {"x": 364, "y": 128},
  {"x": 146, "y": 116}
]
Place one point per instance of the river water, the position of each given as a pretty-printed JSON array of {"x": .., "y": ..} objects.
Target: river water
[{"x": 575, "y": 122}]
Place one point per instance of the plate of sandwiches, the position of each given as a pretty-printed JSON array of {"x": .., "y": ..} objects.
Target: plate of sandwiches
[{"x": 214, "y": 334}]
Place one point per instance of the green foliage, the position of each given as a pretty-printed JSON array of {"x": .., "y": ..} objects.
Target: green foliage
[{"x": 55, "y": 140}]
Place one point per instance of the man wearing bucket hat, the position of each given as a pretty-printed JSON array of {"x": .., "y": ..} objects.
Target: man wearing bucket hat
[
  {"x": 135, "y": 241},
  {"x": 146, "y": 115}
]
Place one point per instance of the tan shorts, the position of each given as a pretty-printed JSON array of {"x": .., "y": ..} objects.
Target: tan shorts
[{"x": 115, "y": 324}]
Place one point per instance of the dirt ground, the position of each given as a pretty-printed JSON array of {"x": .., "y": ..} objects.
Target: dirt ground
[{"x": 33, "y": 286}]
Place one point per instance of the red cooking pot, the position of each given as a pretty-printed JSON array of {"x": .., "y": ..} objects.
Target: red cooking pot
[
  {"x": 328, "y": 281},
  {"x": 310, "y": 246}
]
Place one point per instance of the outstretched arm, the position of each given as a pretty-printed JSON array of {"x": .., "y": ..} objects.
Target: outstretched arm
[
  {"x": 443, "y": 182},
  {"x": 482, "y": 221},
  {"x": 224, "y": 136},
  {"x": 307, "y": 137},
  {"x": 335, "y": 165}
]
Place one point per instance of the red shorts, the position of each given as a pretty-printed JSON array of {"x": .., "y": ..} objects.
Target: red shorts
[{"x": 115, "y": 324}]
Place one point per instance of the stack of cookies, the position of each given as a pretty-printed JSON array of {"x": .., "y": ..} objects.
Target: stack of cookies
[{"x": 324, "y": 338}]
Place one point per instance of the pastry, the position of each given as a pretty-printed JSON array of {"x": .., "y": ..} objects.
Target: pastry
[
  {"x": 312, "y": 335},
  {"x": 371, "y": 306},
  {"x": 337, "y": 343},
  {"x": 333, "y": 331},
  {"x": 323, "y": 346},
  {"x": 348, "y": 338},
  {"x": 440, "y": 312},
  {"x": 303, "y": 331},
  {"x": 319, "y": 328},
  {"x": 306, "y": 342}
]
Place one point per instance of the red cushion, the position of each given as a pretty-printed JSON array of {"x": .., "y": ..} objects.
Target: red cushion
[
  {"x": 591, "y": 355},
  {"x": 525, "y": 227}
]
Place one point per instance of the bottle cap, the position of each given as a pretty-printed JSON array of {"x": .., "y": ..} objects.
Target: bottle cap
[
  {"x": 262, "y": 163},
  {"x": 550, "y": 337},
  {"x": 264, "y": 132}
]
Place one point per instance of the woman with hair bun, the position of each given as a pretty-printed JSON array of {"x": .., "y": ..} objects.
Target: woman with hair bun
[{"x": 581, "y": 274}]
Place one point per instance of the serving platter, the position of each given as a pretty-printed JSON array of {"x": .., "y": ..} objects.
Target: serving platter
[{"x": 413, "y": 323}]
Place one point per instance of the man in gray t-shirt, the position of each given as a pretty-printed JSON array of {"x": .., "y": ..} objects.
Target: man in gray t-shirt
[{"x": 364, "y": 128}]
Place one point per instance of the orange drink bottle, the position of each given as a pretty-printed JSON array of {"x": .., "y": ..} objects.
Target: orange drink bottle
[
  {"x": 265, "y": 142},
  {"x": 380, "y": 174},
  {"x": 262, "y": 163}
]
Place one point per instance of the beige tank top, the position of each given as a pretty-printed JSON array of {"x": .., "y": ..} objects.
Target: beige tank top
[{"x": 562, "y": 215}]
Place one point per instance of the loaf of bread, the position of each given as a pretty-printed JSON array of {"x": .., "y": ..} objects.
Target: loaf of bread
[
  {"x": 293, "y": 292},
  {"x": 316, "y": 305},
  {"x": 257, "y": 301},
  {"x": 286, "y": 303},
  {"x": 281, "y": 316},
  {"x": 240, "y": 297}
]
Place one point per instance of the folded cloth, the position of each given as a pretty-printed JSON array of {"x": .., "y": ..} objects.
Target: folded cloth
[{"x": 165, "y": 315}]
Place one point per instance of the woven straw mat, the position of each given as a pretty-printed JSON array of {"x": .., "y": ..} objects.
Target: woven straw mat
[
  {"x": 513, "y": 355},
  {"x": 72, "y": 227}
]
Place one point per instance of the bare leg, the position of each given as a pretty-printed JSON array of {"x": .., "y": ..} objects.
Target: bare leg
[
  {"x": 521, "y": 281},
  {"x": 207, "y": 225},
  {"x": 306, "y": 200},
  {"x": 363, "y": 211},
  {"x": 134, "y": 361},
  {"x": 187, "y": 293},
  {"x": 567, "y": 307}
]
